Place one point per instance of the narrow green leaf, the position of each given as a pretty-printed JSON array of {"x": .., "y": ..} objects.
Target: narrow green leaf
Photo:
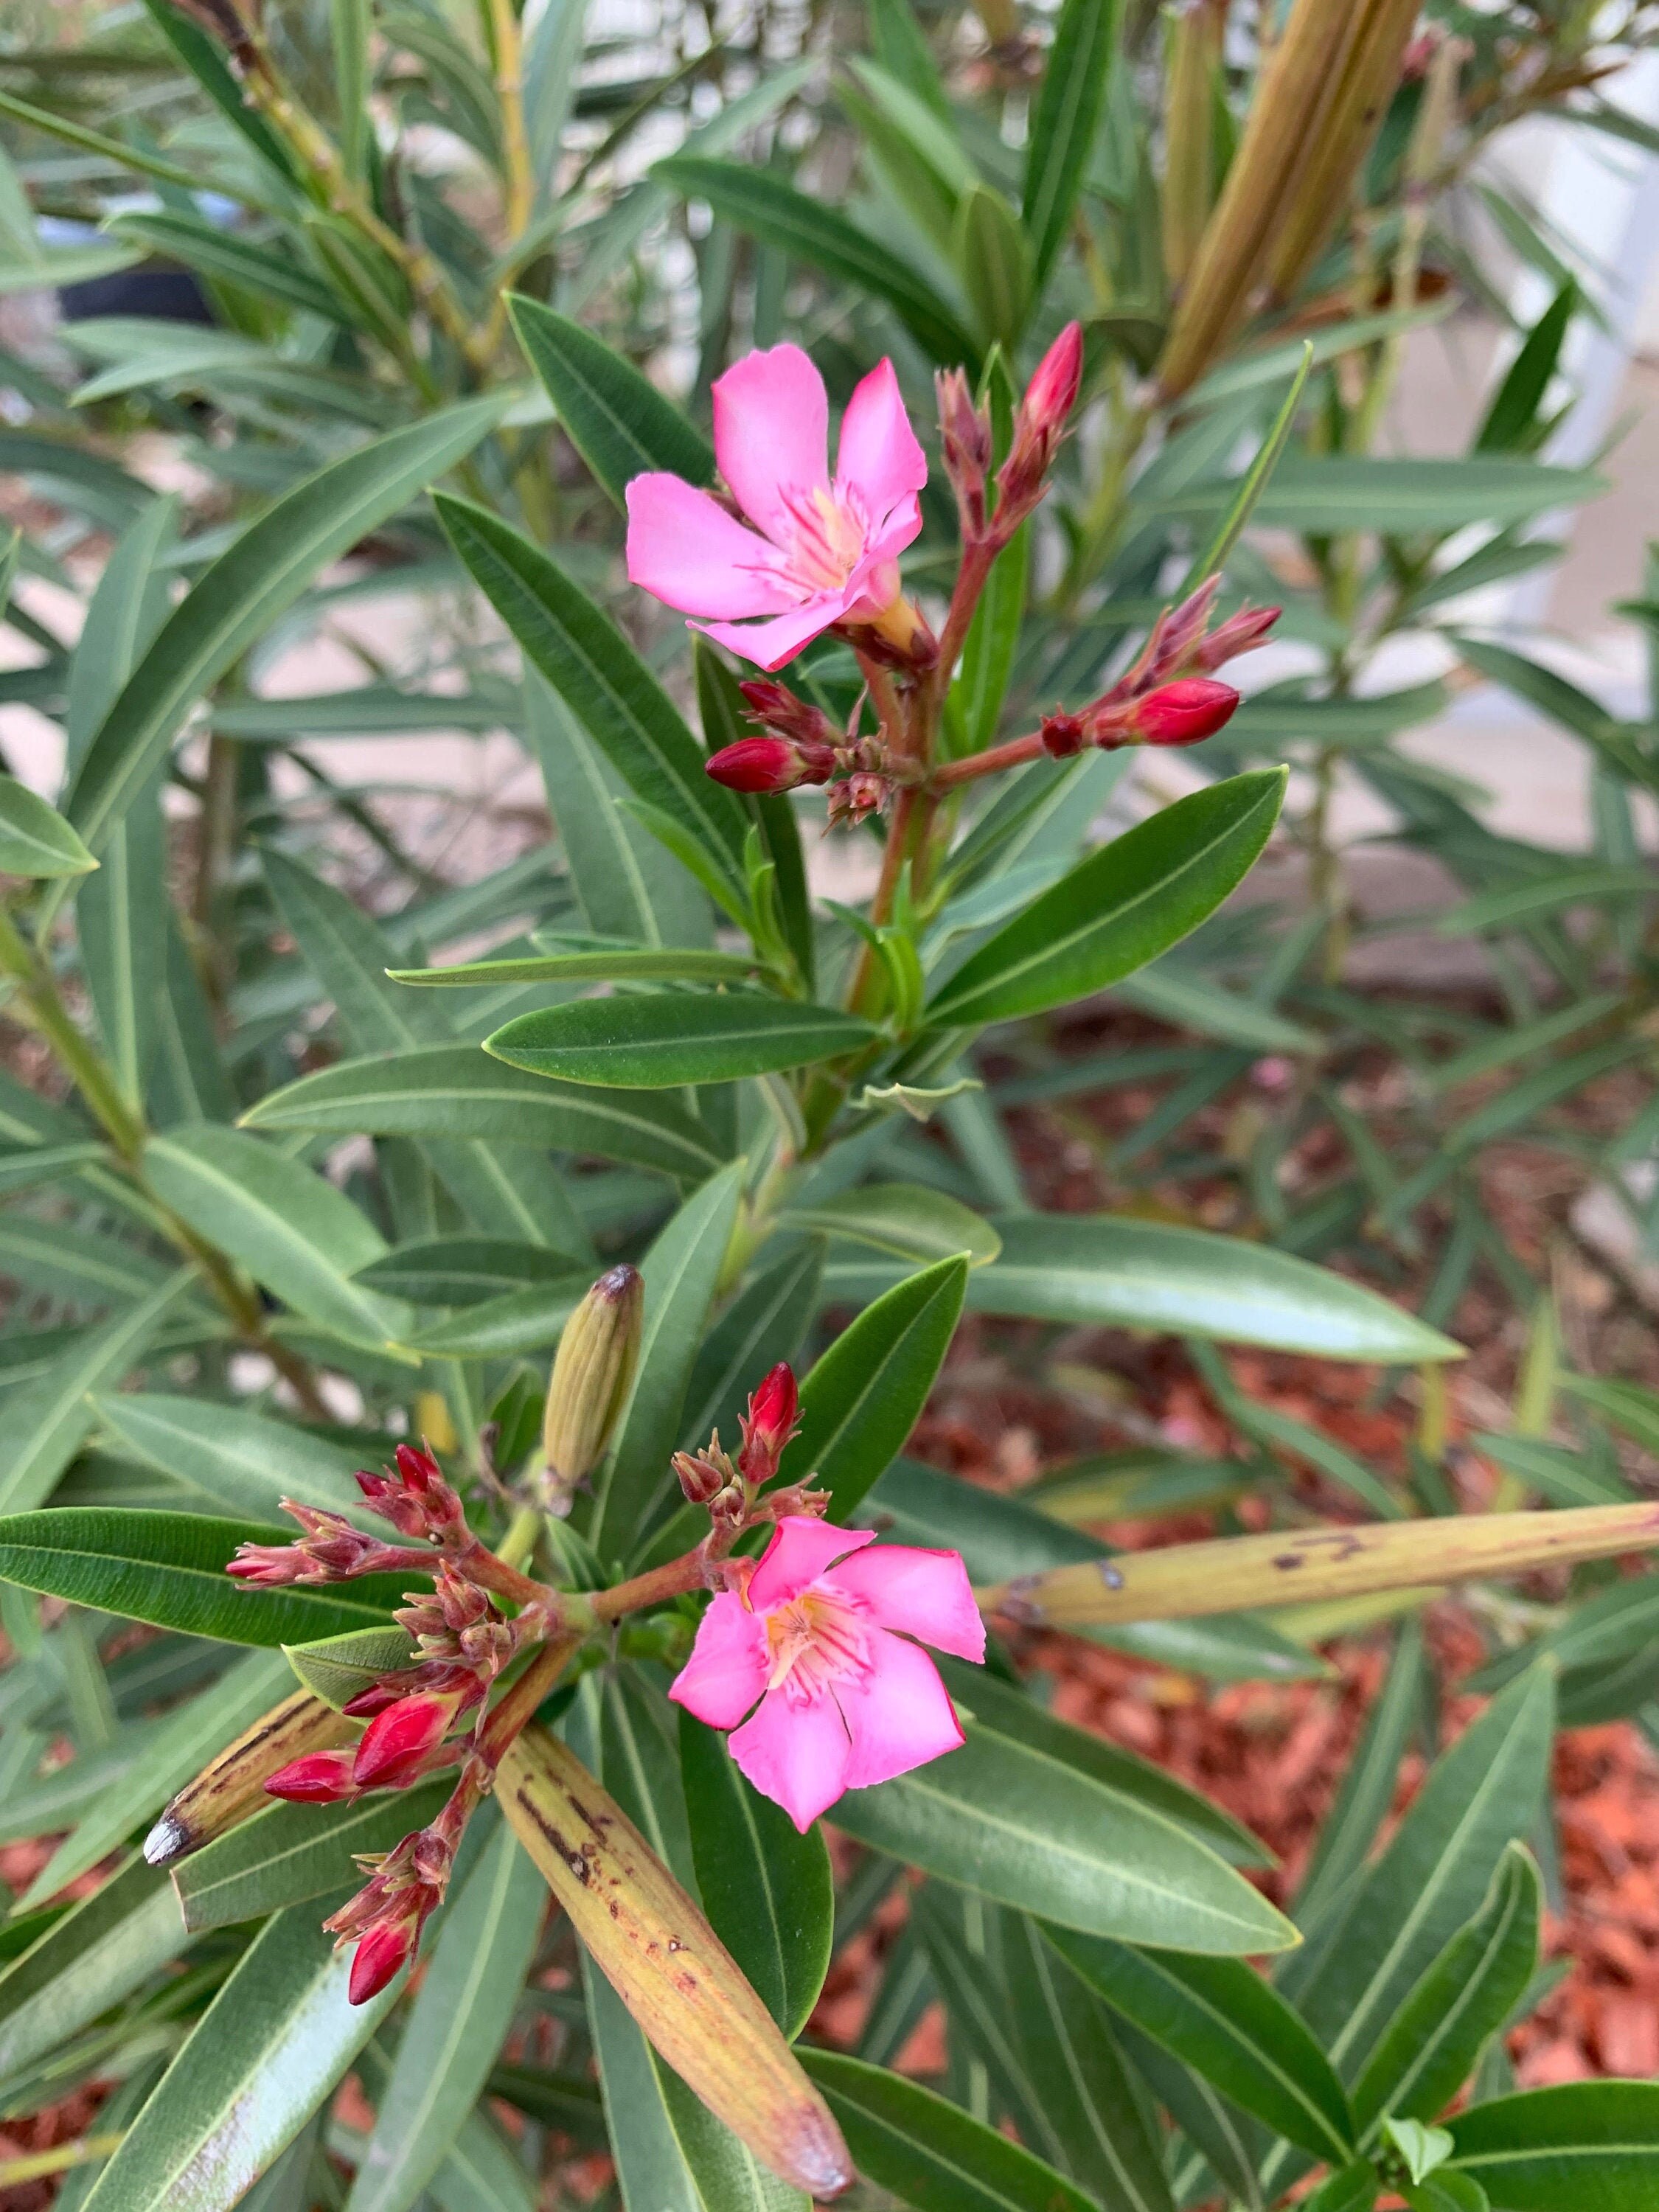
[
  {"x": 908, "y": 1219},
  {"x": 169, "y": 1568},
  {"x": 1063, "y": 128},
  {"x": 91, "y": 1957},
  {"x": 239, "y": 598},
  {"x": 1006, "y": 1818},
  {"x": 34, "y": 838},
  {"x": 665, "y": 1039},
  {"x": 628, "y": 963},
  {"x": 1324, "y": 492},
  {"x": 1433, "y": 2042},
  {"x": 601, "y": 677},
  {"x": 248, "y": 1461},
  {"x": 681, "y": 1271},
  {"x": 1369, "y": 1785},
  {"x": 456, "y": 1090},
  {"x": 1120, "y": 907},
  {"x": 292, "y": 1230},
  {"x": 269, "y": 2048},
  {"x": 768, "y": 1891},
  {"x": 49, "y": 1417},
  {"x": 1586, "y": 2146},
  {"x": 175, "y": 1748},
  {"x": 928, "y": 2153},
  {"x": 772, "y": 210},
  {"x": 1093, "y": 1270},
  {"x": 861, "y": 1400},
  {"x": 1220, "y": 2017},
  {"x": 1255, "y": 481},
  {"x": 617, "y": 419}
]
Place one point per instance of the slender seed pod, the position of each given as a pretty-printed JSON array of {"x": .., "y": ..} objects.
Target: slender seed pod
[
  {"x": 665, "y": 1961},
  {"x": 232, "y": 1785},
  {"x": 1325, "y": 183},
  {"x": 1293, "y": 95},
  {"x": 1193, "y": 50}
]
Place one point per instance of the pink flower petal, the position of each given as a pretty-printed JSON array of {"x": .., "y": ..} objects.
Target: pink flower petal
[
  {"x": 796, "y": 1755},
  {"x": 897, "y": 1714},
  {"x": 921, "y": 1594},
  {"x": 727, "y": 1669},
  {"x": 772, "y": 433},
  {"x": 770, "y": 644},
  {"x": 879, "y": 455},
  {"x": 685, "y": 549},
  {"x": 799, "y": 1554}
]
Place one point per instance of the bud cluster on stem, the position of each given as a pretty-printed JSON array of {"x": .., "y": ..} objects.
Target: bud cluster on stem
[{"x": 483, "y": 1624}]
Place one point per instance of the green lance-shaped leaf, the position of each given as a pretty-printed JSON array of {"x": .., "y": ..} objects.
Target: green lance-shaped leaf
[
  {"x": 993, "y": 264},
  {"x": 168, "y": 1569},
  {"x": 335, "y": 1667},
  {"x": 626, "y": 963},
  {"x": 292, "y": 1230},
  {"x": 238, "y": 598},
  {"x": 349, "y": 954},
  {"x": 672, "y": 2153},
  {"x": 34, "y": 838},
  {"x": 101, "y": 1950},
  {"x": 602, "y": 680},
  {"x": 929, "y": 2152},
  {"x": 1063, "y": 129},
  {"x": 1305, "y": 1566},
  {"x": 462, "y": 2011},
  {"x": 465, "y": 1270},
  {"x": 768, "y": 1892},
  {"x": 908, "y": 1219},
  {"x": 861, "y": 1400},
  {"x": 274, "y": 2043},
  {"x": 281, "y": 1858},
  {"x": 455, "y": 1090},
  {"x": 1220, "y": 2017},
  {"x": 227, "y": 258},
  {"x": 248, "y": 1461},
  {"x": 1366, "y": 1957},
  {"x": 682, "y": 1270},
  {"x": 1434, "y": 2040},
  {"x": 1318, "y": 493},
  {"x": 1586, "y": 2146},
  {"x": 49, "y": 1417},
  {"x": 669, "y": 1038},
  {"x": 617, "y": 419},
  {"x": 1008, "y": 1818},
  {"x": 773, "y": 211},
  {"x": 1354, "y": 2189},
  {"x": 667, "y": 1964},
  {"x": 179, "y": 1746},
  {"x": 1369, "y": 1785},
  {"x": 1120, "y": 907},
  {"x": 1105, "y": 2136},
  {"x": 1094, "y": 1270}
]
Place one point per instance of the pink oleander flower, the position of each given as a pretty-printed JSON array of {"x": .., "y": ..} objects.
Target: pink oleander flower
[
  {"x": 822, "y": 550},
  {"x": 814, "y": 1659}
]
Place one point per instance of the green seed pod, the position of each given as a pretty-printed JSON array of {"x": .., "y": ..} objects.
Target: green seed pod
[{"x": 592, "y": 1375}]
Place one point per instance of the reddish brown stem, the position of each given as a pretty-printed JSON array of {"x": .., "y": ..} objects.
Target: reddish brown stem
[{"x": 1014, "y": 753}]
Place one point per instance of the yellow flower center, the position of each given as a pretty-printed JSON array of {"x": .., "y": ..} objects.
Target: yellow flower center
[{"x": 814, "y": 1640}]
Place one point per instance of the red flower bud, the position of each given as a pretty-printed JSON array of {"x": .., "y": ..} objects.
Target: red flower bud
[
  {"x": 321, "y": 1777},
  {"x": 771, "y": 764},
  {"x": 769, "y": 1424},
  {"x": 1240, "y": 633},
  {"x": 776, "y": 709},
  {"x": 1052, "y": 392},
  {"x": 701, "y": 1475},
  {"x": 400, "y": 1743},
  {"x": 381, "y": 1953},
  {"x": 1184, "y": 713}
]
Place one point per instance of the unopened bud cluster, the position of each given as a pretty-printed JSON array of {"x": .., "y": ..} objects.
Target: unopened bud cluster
[
  {"x": 1170, "y": 696},
  {"x": 731, "y": 1489}
]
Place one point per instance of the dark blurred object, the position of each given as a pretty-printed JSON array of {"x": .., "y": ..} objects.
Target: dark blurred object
[{"x": 170, "y": 295}]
